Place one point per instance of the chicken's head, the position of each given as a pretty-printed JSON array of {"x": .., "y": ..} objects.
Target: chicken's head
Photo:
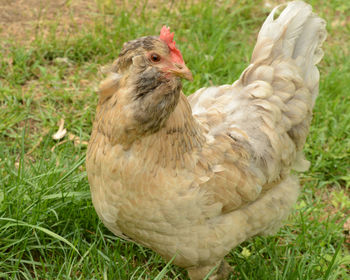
[
  {"x": 145, "y": 84},
  {"x": 158, "y": 54}
]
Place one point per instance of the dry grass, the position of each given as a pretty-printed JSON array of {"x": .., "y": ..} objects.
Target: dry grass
[{"x": 24, "y": 20}]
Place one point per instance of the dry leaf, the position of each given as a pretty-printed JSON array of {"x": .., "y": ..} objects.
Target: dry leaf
[
  {"x": 63, "y": 60},
  {"x": 76, "y": 139},
  {"x": 71, "y": 137},
  {"x": 61, "y": 132},
  {"x": 268, "y": 4}
]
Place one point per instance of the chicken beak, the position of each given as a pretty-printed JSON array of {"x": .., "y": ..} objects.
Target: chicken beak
[{"x": 182, "y": 71}]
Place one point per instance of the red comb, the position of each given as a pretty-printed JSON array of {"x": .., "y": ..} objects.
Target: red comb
[{"x": 168, "y": 38}]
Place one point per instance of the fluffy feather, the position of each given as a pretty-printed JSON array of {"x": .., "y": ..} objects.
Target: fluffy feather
[{"x": 215, "y": 170}]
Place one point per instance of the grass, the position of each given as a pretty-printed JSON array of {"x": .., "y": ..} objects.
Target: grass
[{"x": 48, "y": 226}]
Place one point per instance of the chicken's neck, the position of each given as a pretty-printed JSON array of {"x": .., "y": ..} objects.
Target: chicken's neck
[
  {"x": 181, "y": 134},
  {"x": 182, "y": 121},
  {"x": 140, "y": 123}
]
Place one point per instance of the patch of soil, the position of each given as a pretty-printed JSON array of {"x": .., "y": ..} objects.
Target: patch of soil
[{"x": 23, "y": 20}]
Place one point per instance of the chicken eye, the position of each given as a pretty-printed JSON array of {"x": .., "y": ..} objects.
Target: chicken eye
[{"x": 155, "y": 57}]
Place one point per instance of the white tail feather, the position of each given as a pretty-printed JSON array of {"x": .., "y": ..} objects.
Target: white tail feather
[{"x": 298, "y": 34}]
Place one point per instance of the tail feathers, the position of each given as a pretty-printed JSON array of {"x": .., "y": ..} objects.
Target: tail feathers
[
  {"x": 287, "y": 27},
  {"x": 282, "y": 85},
  {"x": 296, "y": 34},
  {"x": 308, "y": 52}
]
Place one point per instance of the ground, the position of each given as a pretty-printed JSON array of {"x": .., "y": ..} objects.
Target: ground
[{"x": 51, "y": 57}]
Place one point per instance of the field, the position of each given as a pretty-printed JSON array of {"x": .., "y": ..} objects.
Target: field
[{"x": 51, "y": 61}]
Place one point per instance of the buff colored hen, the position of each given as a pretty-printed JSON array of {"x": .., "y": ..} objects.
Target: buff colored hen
[{"x": 194, "y": 177}]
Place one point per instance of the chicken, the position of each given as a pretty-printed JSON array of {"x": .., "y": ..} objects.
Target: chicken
[{"x": 194, "y": 177}]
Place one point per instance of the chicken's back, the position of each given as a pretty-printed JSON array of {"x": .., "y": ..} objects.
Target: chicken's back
[{"x": 269, "y": 109}]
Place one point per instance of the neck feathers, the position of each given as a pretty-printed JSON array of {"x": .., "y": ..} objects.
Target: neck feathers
[
  {"x": 173, "y": 145},
  {"x": 109, "y": 86},
  {"x": 136, "y": 106}
]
